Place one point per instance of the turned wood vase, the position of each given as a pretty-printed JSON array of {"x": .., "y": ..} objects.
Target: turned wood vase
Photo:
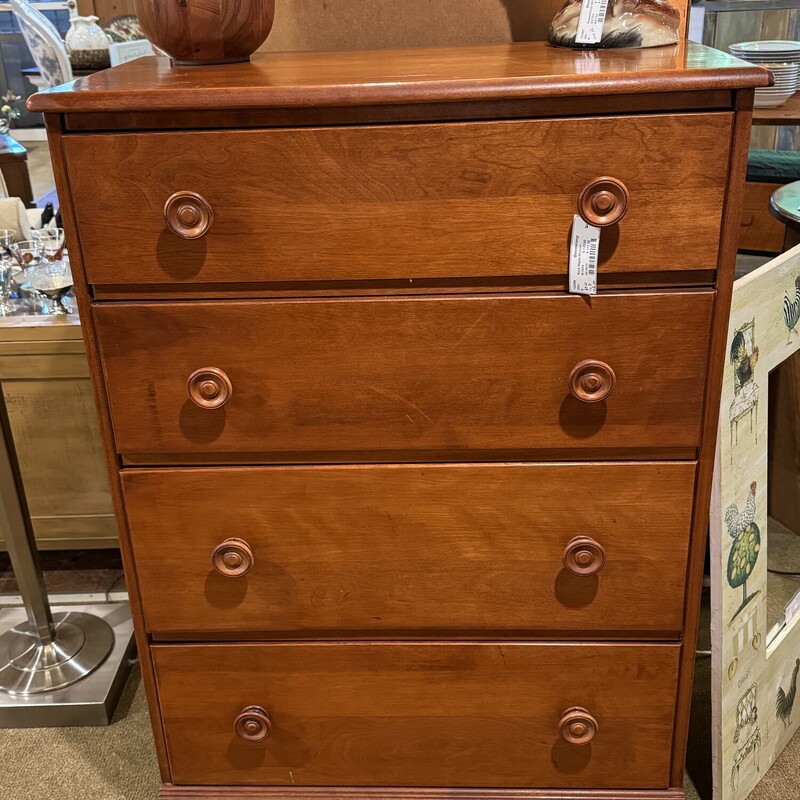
[{"x": 197, "y": 32}]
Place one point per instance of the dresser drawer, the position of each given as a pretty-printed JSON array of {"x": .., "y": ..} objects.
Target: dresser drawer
[
  {"x": 519, "y": 548},
  {"x": 468, "y": 200},
  {"x": 405, "y": 379},
  {"x": 418, "y": 714}
]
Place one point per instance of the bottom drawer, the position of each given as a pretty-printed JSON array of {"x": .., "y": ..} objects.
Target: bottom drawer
[{"x": 401, "y": 714}]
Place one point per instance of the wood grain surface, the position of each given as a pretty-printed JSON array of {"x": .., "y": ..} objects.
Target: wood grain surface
[
  {"x": 411, "y": 75},
  {"x": 418, "y": 201},
  {"x": 401, "y": 714},
  {"x": 527, "y": 108},
  {"x": 413, "y": 378},
  {"x": 353, "y": 550},
  {"x": 171, "y": 792},
  {"x": 760, "y": 230}
]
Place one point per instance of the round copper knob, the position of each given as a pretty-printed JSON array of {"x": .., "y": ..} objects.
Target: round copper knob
[
  {"x": 603, "y": 202},
  {"x": 188, "y": 214},
  {"x": 592, "y": 381},
  {"x": 253, "y": 724},
  {"x": 577, "y": 726},
  {"x": 232, "y": 558},
  {"x": 584, "y": 556},
  {"x": 209, "y": 387}
]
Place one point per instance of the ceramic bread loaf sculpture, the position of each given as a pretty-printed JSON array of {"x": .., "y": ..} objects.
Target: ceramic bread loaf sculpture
[
  {"x": 628, "y": 23},
  {"x": 401, "y": 517}
]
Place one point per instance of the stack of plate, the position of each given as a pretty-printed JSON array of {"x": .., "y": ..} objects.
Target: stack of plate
[{"x": 782, "y": 58}]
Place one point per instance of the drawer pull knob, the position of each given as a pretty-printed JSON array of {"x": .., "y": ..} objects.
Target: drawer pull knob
[
  {"x": 578, "y": 726},
  {"x": 603, "y": 202},
  {"x": 188, "y": 215},
  {"x": 209, "y": 387},
  {"x": 592, "y": 381},
  {"x": 253, "y": 724},
  {"x": 232, "y": 558},
  {"x": 584, "y": 556}
]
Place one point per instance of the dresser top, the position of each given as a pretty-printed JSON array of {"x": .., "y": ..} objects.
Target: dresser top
[{"x": 390, "y": 77}]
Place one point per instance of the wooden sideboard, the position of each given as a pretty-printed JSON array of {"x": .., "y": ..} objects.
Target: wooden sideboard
[
  {"x": 401, "y": 518},
  {"x": 56, "y": 435}
]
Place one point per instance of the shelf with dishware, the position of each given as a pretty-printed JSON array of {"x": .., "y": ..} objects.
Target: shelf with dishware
[{"x": 782, "y": 58}]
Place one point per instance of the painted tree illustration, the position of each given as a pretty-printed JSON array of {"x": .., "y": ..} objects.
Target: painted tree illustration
[{"x": 746, "y": 545}]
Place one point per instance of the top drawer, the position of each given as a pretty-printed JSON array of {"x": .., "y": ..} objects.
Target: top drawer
[{"x": 478, "y": 200}]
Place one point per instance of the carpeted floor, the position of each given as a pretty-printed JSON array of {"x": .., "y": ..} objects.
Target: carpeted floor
[
  {"x": 118, "y": 763},
  {"x": 114, "y": 763}
]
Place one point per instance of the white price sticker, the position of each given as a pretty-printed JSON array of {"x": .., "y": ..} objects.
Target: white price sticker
[
  {"x": 793, "y": 607},
  {"x": 583, "y": 248},
  {"x": 590, "y": 21}
]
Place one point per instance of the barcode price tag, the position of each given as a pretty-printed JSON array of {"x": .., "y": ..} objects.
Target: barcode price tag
[
  {"x": 590, "y": 21},
  {"x": 793, "y": 607},
  {"x": 583, "y": 249}
]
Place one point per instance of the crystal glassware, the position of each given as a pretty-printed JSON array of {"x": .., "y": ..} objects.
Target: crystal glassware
[
  {"x": 52, "y": 241},
  {"x": 7, "y": 236},
  {"x": 50, "y": 278},
  {"x": 28, "y": 253}
]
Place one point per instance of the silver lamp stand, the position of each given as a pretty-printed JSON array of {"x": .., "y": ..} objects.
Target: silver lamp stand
[{"x": 57, "y": 667}]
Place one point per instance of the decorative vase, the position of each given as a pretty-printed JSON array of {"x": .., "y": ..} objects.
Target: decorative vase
[
  {"x": 195, "y": 32},
  {"x": 87, "y": 44},
  {"x": 628, "y": 23}
]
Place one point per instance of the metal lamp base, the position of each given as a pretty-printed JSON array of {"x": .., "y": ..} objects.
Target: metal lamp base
[
  {"x": 77, "y": 680},
  {"x": 81, "y": 644}
]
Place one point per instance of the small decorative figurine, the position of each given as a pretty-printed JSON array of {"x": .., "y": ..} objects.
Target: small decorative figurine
[
  {"x": 87, "y": 44},
  {"x": 628, "y": 23}
]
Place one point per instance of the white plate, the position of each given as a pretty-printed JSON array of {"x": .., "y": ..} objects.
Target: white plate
[
  {"x": 765, "y": 62},
  {"x": 767, "y": 46},
  {"x": 767, "y": 57}
]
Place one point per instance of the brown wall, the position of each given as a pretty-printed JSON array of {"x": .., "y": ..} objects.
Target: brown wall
[{"x": 366, "y": 24}]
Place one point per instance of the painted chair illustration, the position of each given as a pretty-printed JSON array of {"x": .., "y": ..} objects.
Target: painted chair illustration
[
  {"x": 748, "y": 735},
  {"x": 744, "y": 354}
]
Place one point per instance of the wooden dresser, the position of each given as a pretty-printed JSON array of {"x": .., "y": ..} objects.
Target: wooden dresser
[{"x": 402, "y": 518}]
